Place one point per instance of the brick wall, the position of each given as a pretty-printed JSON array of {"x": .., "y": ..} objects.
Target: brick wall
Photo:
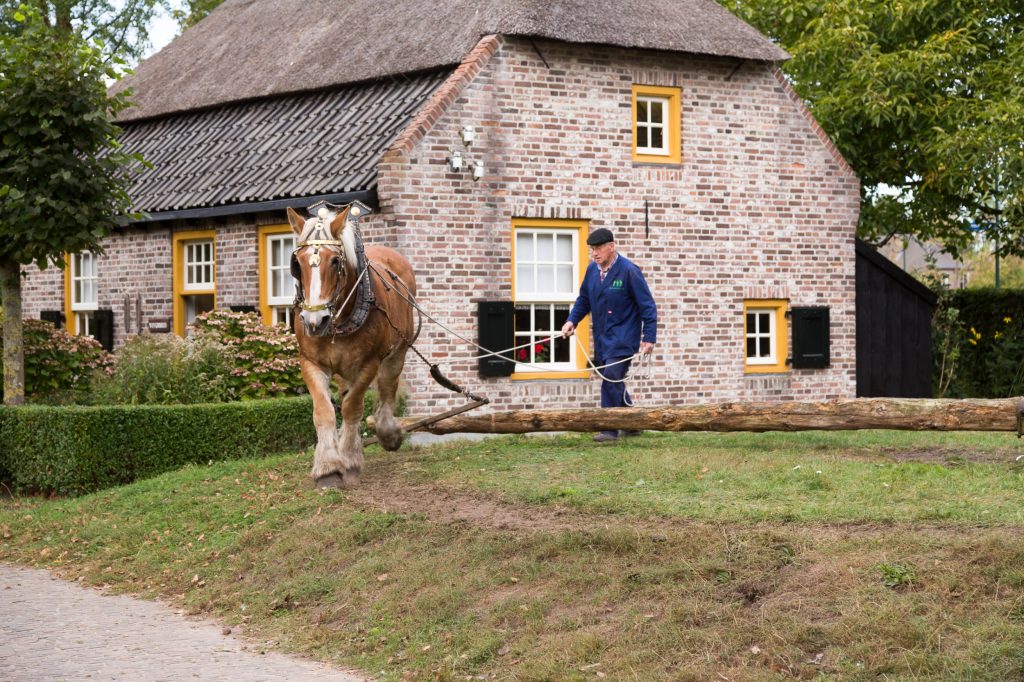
[
  {"x": 761, "y": 207},
  {"x": 137, "y": 266}
]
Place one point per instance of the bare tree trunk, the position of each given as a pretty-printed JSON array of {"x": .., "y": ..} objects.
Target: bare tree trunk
[
  {"x": 14, "y": 350},
  {"x": 908, "y": 414}
]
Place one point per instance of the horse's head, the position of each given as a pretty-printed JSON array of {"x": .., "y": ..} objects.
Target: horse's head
[{"x": 324, "y": 263}]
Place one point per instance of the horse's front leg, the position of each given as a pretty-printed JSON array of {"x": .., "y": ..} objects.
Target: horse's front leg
[
  {"x": 329, "y": 461},
  {"x": 351, "y": 415},
  {"x": 389, "y": 432}
]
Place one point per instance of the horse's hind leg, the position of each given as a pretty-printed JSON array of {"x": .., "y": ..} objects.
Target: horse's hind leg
[
  {"x": 389, "y": 432},
  {"x": 329, "y": 461}
]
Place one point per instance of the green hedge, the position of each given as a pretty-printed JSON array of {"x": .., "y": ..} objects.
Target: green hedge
[
  {"x": 74, "y": 450},
  {"x": 988, "y": 335}
]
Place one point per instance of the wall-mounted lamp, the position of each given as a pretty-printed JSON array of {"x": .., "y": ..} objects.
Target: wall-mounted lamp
[
  {"x": 455, "y": 161},
  {"x": 478, "y": 170},
  {"x": 468, "y": 135}
]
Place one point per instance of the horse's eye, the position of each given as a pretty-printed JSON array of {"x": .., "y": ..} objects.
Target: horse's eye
[{"x": 336, "y": 261}]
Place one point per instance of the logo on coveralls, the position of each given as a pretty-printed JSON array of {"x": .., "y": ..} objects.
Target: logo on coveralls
[{"x": 617, "y": 284}]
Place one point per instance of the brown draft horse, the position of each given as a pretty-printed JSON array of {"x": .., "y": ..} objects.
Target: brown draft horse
[{"x": 356, "y": 324}]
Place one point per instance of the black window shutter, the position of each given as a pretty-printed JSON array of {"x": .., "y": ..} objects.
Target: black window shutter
[
  {"x": 496, "y": 320},
  {"x": 55, "y": 317},
  {"x": 104, "y": 328},
  {"x": 810, "y": 337}
]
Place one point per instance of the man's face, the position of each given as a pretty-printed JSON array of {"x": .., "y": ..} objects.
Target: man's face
[{"x": 603, "y": 254}]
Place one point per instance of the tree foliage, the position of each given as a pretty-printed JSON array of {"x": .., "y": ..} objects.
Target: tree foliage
[
  {"x": 191, "y": 12},
  {"x": 925, "y": 99},
  {"x": 120, "y": 28},
  {"x": 63, "y": 176},
  {"x": 62, "y": 172}
]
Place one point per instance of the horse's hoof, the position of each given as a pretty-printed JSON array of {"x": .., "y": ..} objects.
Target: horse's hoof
[
  {"x": 331, "y": 480},
  {"x": 391, "y": 441},
  {"x": 352, "y": 478}
]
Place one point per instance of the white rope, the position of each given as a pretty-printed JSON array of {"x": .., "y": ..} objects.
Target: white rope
[
  {"x": 644, "y": 365},
  {"x": 351, "y": 292}
]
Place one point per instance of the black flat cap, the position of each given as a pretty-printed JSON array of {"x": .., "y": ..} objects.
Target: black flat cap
[{"x": 600, "y": 236}]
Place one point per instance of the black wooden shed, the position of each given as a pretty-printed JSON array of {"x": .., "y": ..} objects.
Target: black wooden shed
[{"x": 894, "y": 329}]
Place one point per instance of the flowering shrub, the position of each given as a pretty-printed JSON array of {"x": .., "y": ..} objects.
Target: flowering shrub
[
  {"x": 58, "y": 365},
  {"x": 265, "y": 360},
  {"x": 165, "y": 369}
]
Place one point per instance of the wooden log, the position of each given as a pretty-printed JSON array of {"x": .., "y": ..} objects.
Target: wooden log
[{"x": 906, "y": 414}]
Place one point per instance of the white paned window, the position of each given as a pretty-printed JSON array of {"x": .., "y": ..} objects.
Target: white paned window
[
  {"x": 84, "y": 291},
  {"x": 761, "y": 348},
  {"x": 84, "y": 324},
  {"x": 651, "y": 117},
  {"x": 196, "y": 306},
  {"x": 280, "y": 283},
  {"x": 198, "y": 265},
  {"x": 546, "y": 282},
  {"x": 282, "y": 315},
  {"x": 84, "y": 279}
]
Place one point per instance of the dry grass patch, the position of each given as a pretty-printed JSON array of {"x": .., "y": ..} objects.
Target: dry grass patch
[{"x": 426, "y": 573}]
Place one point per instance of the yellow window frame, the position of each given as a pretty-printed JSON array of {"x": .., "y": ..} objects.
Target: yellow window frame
[
  {"x": 780, "y": 337},
  {"x": 178, "y": 274},
  {"x": 70, "y": 314},
  {"x": 673, "y": 126},
  {"x": 70, "y": 319},
  {"x": 266, "y": 312},
  {"x": 583, "y": 330}
]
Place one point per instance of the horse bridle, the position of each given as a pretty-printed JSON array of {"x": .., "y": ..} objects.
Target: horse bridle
[
  {"x": 318, "y": 234},
  {"x": 361, "y": 291}
]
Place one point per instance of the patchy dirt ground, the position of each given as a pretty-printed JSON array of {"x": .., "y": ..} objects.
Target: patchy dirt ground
[
  {"x": 951, "y": 456},
  {"x": 382, "y": 491}
]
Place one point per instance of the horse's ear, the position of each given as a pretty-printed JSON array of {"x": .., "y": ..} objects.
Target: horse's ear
[
  {"x": 296, "y": 220},
  {"x": 338, "y": 224}
]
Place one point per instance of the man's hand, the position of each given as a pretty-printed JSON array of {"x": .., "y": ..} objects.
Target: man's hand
[
  {"x": 568, "y": 328},
  {"x": 646, "y": 347}
]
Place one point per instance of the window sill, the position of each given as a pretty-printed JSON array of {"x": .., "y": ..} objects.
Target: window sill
[
  {"x": 532, "y": 376},
  {"x": 767, "y": 369},
  {"x": 657, "y": 164}
]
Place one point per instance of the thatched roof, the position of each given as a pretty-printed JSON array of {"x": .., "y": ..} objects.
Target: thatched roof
[{"x": 248, "y": 49}]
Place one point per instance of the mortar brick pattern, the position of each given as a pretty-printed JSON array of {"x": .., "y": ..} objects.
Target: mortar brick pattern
[{"x": 761, "y": 206}]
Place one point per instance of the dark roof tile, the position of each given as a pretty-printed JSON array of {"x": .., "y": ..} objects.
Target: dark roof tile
[{"x": 295, "y": 146}]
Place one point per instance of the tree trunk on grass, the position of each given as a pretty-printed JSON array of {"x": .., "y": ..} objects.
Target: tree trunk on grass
[
  {"x": 14, "y": 347},
  {"x": 905, "y": 414}
]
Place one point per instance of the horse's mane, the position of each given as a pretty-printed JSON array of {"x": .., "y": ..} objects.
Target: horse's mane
[{"x": 348, "y": 237}]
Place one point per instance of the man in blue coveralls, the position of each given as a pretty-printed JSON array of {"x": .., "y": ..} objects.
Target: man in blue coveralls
[{"x": 624, "y": 317}]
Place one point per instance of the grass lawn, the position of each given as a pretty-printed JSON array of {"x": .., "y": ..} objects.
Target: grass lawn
[{"x": 847, "y": 556}]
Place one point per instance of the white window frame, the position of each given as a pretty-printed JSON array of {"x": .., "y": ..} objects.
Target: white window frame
[
  {"x": 285, "y": 297},
  {"x": 192, "y": 268},
  {"x": 84, "y": 323},
  {"x": 550, "y": 299},
  {"x": 758, "y": 334},
  {"x": 282, "y": 314},
  {"x": 78, "y": 279},
  {"x": 665, "y": 103}
]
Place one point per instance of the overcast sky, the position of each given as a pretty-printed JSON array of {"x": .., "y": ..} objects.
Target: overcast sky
[{"x": 161, "y": 31}]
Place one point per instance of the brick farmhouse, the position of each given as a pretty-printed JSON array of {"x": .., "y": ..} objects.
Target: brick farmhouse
[{"x": 489, "y": 138}]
